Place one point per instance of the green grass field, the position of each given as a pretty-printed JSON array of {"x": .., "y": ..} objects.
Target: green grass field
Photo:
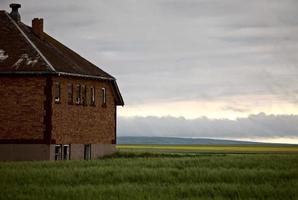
[
  {"x": 213, "y": 148},
  {"x": 149, "y": 174}
]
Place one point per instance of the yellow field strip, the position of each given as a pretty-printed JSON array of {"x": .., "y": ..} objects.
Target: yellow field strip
[{"x": 212, "y": 148}]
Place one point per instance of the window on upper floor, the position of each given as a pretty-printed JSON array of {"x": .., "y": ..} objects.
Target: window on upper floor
[
  {"x": 57, "y": 92},
  {"x": 103, "y": 97},
  {"x": 84, "y": 95},
  {"x": 92, "y": 96},
  {"x": 70, "y": 93},
  {"x": 78, "y": 94}
]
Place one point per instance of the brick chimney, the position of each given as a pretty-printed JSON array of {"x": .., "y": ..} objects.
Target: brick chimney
[
  {"x": 14, "y": 14},
  {"x": 37, "y": 27}
]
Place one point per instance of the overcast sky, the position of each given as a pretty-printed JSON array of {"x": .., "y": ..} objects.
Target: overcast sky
[
  {"x": 260, "y": 127},
  {"x": 220, "y": 59}
]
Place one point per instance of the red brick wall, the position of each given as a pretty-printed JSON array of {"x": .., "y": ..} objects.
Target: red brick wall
[
  {"x": 22, "y": 107},
  {"x": 83, "y": 124}
]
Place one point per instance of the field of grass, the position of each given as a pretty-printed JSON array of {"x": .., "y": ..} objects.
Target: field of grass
[
  {"x": 143, "y": 175},
  {"x": 212, "y": 148}
]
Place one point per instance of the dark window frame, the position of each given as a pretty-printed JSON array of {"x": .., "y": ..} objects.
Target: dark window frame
[
  {"x": 70, "y": 93},
  {"x": 92, "y": 96},
  {"x": 84, "y": 95},
  {"x": 57, "y": 92},
  {"x": 62, "y": 151},
  {"x": 78, "y": 94},
  {"x": 103, "y": 97},
  {"x": 58, "y": 152},
  {"x": 66, "y": 152},
  {"x": 87, "y": 152}
]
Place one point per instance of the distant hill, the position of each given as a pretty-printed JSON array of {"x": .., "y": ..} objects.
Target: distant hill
[{"x": 176, "y": 140}]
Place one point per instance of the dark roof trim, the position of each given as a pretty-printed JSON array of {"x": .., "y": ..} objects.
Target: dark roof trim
[
  {"x": 31, "y": 43},
  {"x": 54, "y": 73},
  {"x": 27, "y": 73},
  {"x": 83, "y": 76},
  {"x": 120, "y": 102}
]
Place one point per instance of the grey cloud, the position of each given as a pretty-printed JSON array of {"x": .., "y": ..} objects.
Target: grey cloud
[
  {"x": 236, "y": 109},
  {"x": 255, "y": 126}
]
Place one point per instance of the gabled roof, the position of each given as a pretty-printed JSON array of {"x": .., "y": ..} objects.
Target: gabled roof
[{"x": 22, "y": 52}]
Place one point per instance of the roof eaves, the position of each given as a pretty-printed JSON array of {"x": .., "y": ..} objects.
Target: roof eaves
[
  {"x": 31, "y": 43},
  {"x": 27, "y": 73},
  {"x": 121, "y": 102},
  {"x": 84, "y": 76},
  {"x": 54, "y": 73}
]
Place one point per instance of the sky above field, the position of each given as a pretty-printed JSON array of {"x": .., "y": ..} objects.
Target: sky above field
[{"x": 198, "y": 66}]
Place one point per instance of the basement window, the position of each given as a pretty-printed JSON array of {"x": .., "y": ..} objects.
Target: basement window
[
  {"x": 78, "y": 94},
  {"x": 70, "y": 93},
  {"x": 103, "y": 96},
  {"x": 57, "y": 92},
  {"x": 62, "y": 152},
  {"x": 58, "y": 152},
  {"x": 84, "y": 95},
  {"x": 66, "y": 152},
  {"x": 92, "y": 96},
  {"x": 87, "y": 152}
]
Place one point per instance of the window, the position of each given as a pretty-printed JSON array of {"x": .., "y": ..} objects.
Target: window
[
  {"x": 57, "y": 92},
  {"x": 84, "y": 95},
  {"x": 87, "y": 151},
  {"x": 58, "y": 152},
  {"x": 70, "y": 93},
  {"x": 66, "y": 154},
  {"x": 103, "y": 96},
  {"x": 62, "y": 152},
  {"x": 78, "y": 94},
  {"x": 92, "y": 96}
]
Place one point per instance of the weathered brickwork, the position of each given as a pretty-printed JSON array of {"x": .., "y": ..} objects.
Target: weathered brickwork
[
  {"x": 79, "y": 124},
  {"x": 22, "y": 108},
  {"x": 35, "y": 123}
]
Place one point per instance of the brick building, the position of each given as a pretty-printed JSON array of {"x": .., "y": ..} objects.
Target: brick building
[{"x": 54, "y": 104}]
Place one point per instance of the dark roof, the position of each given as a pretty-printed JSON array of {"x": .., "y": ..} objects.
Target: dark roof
[{"x": 21, "y": 52}]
